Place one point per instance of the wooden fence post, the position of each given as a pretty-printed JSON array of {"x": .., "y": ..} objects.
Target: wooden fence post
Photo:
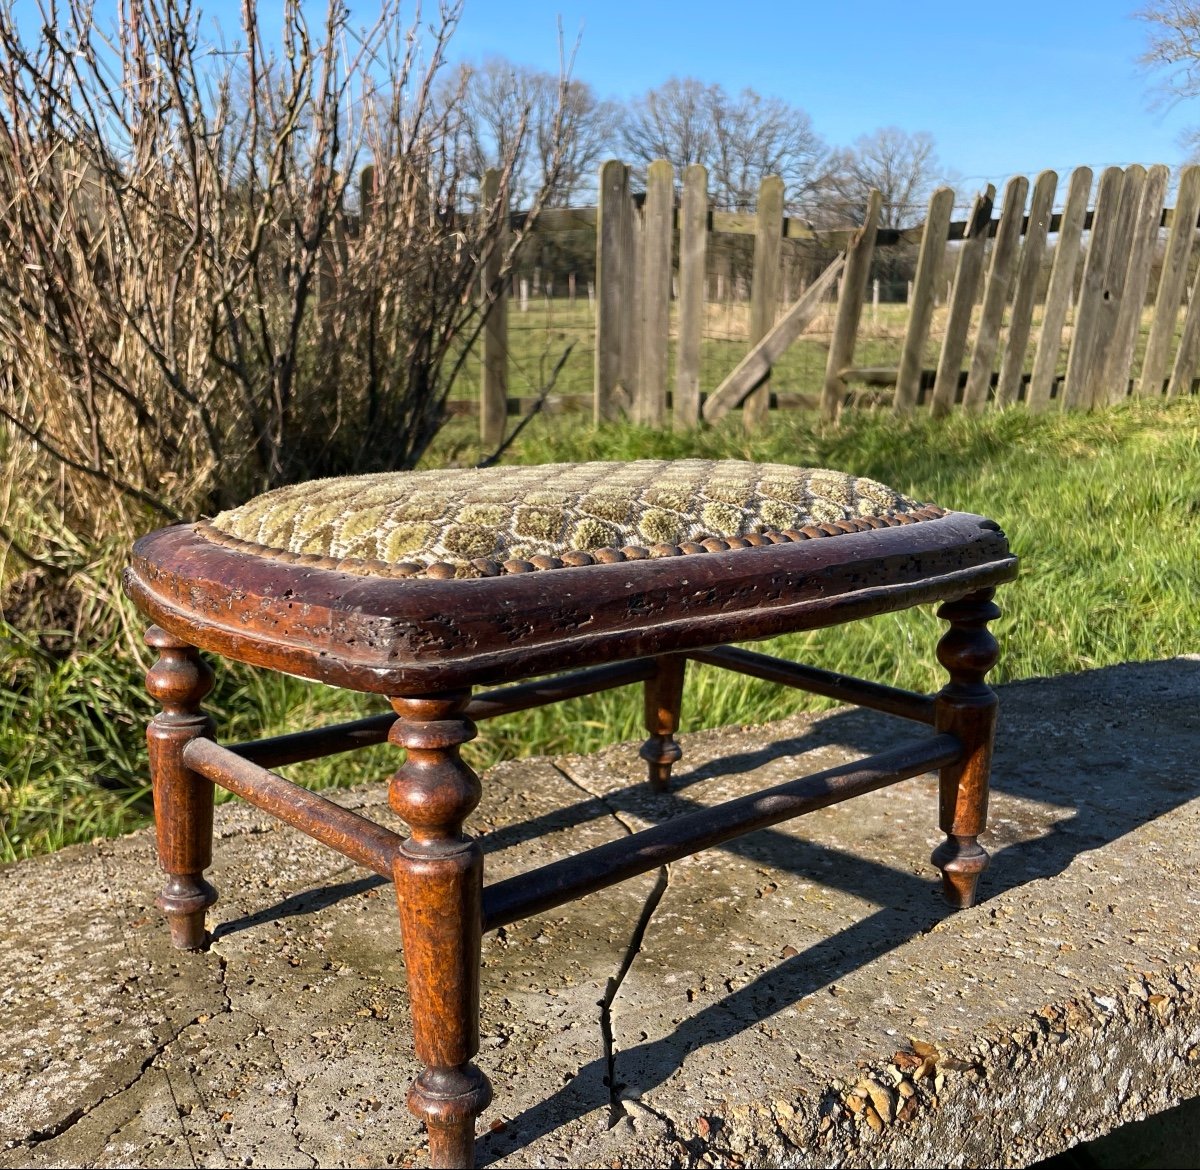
[
  {"x": 614, "y": 229},
  {"x": 693, "y": 245},
  {"x": 849, "y": 310},
  {"x": 1133, "y": 281},
  {"x": 1171, "y": 282},
  {"x": 995, "y": 296},
  {"x": 650, "y": 402},
  {"x": 493, "y": 389},
  {"x": 1020, "y": 323},
  {"x": 1077, "y": 390},
  {"x": 1060, "y": 290},
  {"x": 920, "y": 314},
  {"x": 1119, "y": 245},
  {"x": 962, "y": 303},
  {"x": 764, "y": 297}
]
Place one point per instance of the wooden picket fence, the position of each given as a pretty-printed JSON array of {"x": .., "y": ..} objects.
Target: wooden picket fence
[{"x": 1033, "y": 305}]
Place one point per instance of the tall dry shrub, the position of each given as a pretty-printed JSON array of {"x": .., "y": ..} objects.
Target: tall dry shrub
[{"x": 224, "y": 265}]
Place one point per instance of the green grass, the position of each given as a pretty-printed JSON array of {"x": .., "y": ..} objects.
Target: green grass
[{"x": 1102, "y": 508}]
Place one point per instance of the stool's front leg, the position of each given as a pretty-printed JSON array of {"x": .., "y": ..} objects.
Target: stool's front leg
[
  {"x": 663, "y": 695},
  {"x": 439, "y": 890},
  {"x": 966, "y": 708},
  {"x": 183, "y": 801}
]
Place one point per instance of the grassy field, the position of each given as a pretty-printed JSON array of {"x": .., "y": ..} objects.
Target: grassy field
[
  {"x": 537, "y": 338},
  {"x": 1101, "y": 507}
]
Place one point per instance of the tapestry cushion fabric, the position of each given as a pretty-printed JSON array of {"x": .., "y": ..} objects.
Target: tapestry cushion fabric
[{"x": 483, "y": 522}]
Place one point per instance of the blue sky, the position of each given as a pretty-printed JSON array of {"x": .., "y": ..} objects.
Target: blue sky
[{"x": 1002, "y": 91}]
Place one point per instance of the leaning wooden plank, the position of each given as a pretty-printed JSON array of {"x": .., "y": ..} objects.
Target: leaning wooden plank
[
  {"x": 1171, "y": 282},
  {"x": 693, "y": 244},
  {"x": 650, "y": 402},
  {"x": 1077, "y": 387},
  {"x": 1121, "y": 351},
  {"x": 1187, "y": 357},
  {"x": 756, "y": 365},
  {"x": 849, "y": 310},
  {"x": 1062, "y": 286},
  {"x": 1020, "y": 322},
  {"x": 962, "y": 303},
  {"x": 925, "y": 283},
  {"x": 612, "y": 222},
  {"x": 995, "y": 295},
  {"x": 764, "y": 289}
]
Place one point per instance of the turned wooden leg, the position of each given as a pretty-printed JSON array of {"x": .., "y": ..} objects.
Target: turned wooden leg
[
  {"x": 966, "y": 708},
  {"x": 183, "y": 801},
  {"x": 663, "y": 696},
  {"x": 439, "y": 891}
]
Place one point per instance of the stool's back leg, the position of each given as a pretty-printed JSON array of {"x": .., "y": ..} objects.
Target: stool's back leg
[
  {"x": 439, "y": 891},
  {"x": 663, "y": 695},
  {"x": 966, "y": 708},
  {"x": 183, "y": 801}
]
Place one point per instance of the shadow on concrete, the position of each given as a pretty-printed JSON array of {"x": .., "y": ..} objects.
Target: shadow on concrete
[{"x": 1108, "y": 750}]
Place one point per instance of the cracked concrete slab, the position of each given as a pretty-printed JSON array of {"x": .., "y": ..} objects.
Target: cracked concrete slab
[{"x": 799, "y": 997}]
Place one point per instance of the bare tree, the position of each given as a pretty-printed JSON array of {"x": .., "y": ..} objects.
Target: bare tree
[
  {"x": 740, "y": 138},
  {"x": 1173, "y": 54},
  {"x": 755, "y": 136},
  {"x": 902, "y": 166},
  {"x": 673, "y": 122},
  {"x": 555, "y": 127},
  {"x": 205, "y": 300}
]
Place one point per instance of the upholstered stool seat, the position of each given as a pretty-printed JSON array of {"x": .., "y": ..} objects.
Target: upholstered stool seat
[{"x": 421, "y": 586}]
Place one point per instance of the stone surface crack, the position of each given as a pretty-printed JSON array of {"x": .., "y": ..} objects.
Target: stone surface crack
[
  {"x": 616, "y": 1108},
  {"x": 58, "y": 1128},
  {"x": 293, "y": 1097}
]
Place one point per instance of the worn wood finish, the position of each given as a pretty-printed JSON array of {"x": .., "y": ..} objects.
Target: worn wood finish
[
  {"x": 920, "y": 317},
  {"x": 764, "y": 288},
  {"x": 995, "y": 297},
  {"x": 650, "y": 402},
  {"x": 183, "y": 800},
  {"x": 353, "y": 836},
  {"x": 966, "y": 709},
  {"x": 1131, "y": 285},
  {"x": 1171, "y": 283},
  {"x": 859, "y": 254},
  {"x": 493, "y": 390},
  {"x": 1060, "y": 290},
  {"x": 1020, "y": 323},
  {"x": 414, "y": 636},
  {"x": 662, "y": 699},
  {"x": 439, "y": 883},
  {"x": 755, "y": 368},
  {"x": 573, "y": 877},
  {"x": 962, "y": 303},
  {"x": 1077, "y": 389},
  {"x": 843, "y": 687},
  {"x": 693, "y": 249},
  {"x": 425, "y": 642}
]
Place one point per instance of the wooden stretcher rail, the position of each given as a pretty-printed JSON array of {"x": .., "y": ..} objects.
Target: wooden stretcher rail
[
  {"x": 358, "y": 733},
  {"x": 573, "y": 877},
  {"x": 312, "y": 745},
  {"x": 555, "y": 689},
  {"x": 878, "y": 697},
  {"x": 356, "y": 837}
]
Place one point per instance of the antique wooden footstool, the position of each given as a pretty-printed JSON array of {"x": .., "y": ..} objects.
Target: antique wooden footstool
[{"x": 421, "y": 586}]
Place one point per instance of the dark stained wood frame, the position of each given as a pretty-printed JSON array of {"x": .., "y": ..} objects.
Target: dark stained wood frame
[{"x": 426, "y": 643}]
